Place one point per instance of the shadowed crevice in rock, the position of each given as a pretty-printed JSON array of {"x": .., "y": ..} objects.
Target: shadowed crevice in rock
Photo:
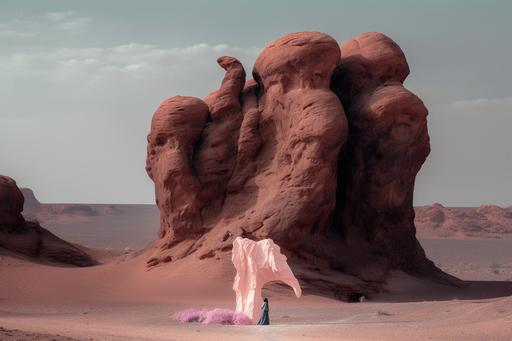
[{"x": 319, "y": 152}]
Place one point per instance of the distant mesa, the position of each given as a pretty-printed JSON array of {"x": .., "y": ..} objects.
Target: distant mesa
[
  {"x": 44, "y": 212},
  {"x": 318, "y": 152},
  {"x": 111, "y": 209},
  {"x": 28, "y": 238},
  {"x": 31, "y": 202},
  {"x": 486, "y": 221}
]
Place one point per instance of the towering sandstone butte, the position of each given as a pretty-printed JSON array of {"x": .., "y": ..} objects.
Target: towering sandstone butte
[{"x": 319, "y": 152}]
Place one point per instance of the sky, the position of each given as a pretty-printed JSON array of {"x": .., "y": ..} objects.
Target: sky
[{"x": 80, "y": 80}]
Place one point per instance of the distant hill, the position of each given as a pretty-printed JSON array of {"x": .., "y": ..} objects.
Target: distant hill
[
  {"x": 117, "y": 226},
  {"x": 31, "y": 202},
  {"x": 137, "y": 225},
  {"x": 35, "y": 210},
  {"x": 486, "y": 221}
]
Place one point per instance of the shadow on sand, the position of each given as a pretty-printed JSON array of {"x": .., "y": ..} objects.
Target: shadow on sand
[{"x": 404, "y": 288}]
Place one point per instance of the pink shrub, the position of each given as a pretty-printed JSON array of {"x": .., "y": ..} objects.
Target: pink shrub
[
  {"x": 215, "y": 316},
  {"x": 192, "y": 315},
  {"x": 219, "y": 316},
  {"x": 241, "y": 319}
]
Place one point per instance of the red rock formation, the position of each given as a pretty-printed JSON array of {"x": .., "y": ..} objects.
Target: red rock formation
[
  {"x": 29, "y": 238},
  {"x": 11, "y": 204},
  {"x": 175, "y": 129},
  {"x": 387, "y": 146},
  {"x": 319, "y": 153}
]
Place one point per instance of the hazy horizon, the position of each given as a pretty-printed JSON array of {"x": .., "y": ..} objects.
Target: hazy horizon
[{"x": 80, "y": 82}]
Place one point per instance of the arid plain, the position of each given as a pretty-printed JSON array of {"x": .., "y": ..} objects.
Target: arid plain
[{"x": 122, "y": 300}]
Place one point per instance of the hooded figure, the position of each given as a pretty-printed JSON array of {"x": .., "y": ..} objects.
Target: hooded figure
[{"x": 264, "y": 319}]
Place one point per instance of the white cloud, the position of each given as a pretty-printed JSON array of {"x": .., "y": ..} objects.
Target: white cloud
[
  {"x": 16, "y": 34},
  {"x": 68, "y": 21},
  {"x": 482, "y": 103},
  {"x": 130, "y": 59},
  {"x": 59, "y": 16},
  {"x": 110, "y": 80},
  {"x": 84, "y": 113},
  {"x": 46, "y": 24}
]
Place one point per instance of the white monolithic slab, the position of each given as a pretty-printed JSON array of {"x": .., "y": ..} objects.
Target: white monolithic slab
[{"x": 257, "y": 263}]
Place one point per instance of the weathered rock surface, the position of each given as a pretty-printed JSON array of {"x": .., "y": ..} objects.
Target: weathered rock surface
[
  {"x": 29, "y": 238},
  {"x": 175, "y": 129},
  {"x": 386, "y": 148},
  {"x": 257, "y": 263},
  {"x": 11, "y": 204},
  {"x": 319, "y": 153},
  {"x": 486, "y": 221}
]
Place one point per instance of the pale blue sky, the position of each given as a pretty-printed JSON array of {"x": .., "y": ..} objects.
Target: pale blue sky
[{"x": 80, "y": 80}]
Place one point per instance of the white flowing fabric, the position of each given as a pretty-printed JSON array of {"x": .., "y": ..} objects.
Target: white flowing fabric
[{"x": 257, "y": 263}]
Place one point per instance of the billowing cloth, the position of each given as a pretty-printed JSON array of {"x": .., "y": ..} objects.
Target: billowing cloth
[{"x": 257, "y": 263}]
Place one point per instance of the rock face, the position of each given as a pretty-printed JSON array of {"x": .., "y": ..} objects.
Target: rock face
[
  {"x": 257, "y": 263},
  {"x": 29, "y": 238},
  {"x": 486, "y": 221},
  {"x": 319, "y": 153},
  {"x": 11, "y": 204},
  {"x": 387, "y": 146}
]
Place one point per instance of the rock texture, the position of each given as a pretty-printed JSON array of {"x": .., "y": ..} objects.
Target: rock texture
[
  {"x": 319, "y": 153},
  {"x": 29, "y": 238},
  {"x": 486, "y": 221},
  {"x": 387, "y": 146},
  {"x": 11, "y": 203},
  {"x": 257, "y": 263}
]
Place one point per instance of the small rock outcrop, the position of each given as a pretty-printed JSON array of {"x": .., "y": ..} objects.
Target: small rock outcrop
[
  {"x": 257, "y": 263},
  {"x": 28, "y": 238},
  {"x": 318, "y": 152},
  {"x": 31, "y": 203}
]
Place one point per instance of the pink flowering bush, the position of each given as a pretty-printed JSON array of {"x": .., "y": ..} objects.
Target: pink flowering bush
[
  {"x": 241, "y": 319},
  {"x": 192, "y": 315},
  {"x": 215, "y": 316}
]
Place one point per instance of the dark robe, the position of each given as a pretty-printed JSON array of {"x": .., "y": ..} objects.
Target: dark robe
[{"x": 264, "y": 319}]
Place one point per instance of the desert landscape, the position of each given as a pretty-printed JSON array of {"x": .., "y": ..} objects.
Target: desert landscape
[
  {"x": 121, "y": 300},
  {"x": 283, "y": 197}
]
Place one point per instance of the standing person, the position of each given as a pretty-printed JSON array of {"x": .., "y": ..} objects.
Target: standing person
[{"x": 264, "y": 319}]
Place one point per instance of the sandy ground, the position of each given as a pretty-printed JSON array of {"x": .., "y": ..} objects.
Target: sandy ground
[
  {"x": 485, "y": 260},
  {"x": 121, "y": 300}
]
